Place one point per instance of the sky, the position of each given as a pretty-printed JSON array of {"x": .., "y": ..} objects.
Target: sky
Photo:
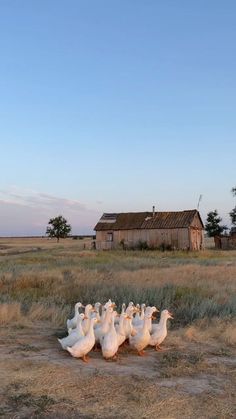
[{"x": 115, "y": 106}]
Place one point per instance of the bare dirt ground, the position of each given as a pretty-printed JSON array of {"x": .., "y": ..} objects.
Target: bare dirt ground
[{"x": 186, "y": 380}]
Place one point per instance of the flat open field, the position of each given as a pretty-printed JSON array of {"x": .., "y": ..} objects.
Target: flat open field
[{"x": 193, "y": 377}]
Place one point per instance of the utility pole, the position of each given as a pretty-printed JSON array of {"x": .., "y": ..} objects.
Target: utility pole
[{"x": 199, "y": 200}]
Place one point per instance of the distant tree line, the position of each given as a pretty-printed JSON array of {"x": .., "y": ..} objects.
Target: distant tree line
[{"x": 213, "y": 225}]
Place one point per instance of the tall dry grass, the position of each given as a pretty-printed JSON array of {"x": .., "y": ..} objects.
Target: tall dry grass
[
  {"x": 203, "y": 331},
  {"x": 194, "y": 285},
  {"x": 10, "y": 313}
]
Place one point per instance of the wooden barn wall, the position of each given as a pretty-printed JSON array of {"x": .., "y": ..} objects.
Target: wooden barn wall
[
  {"x": 196, "y": 222},
  {"x": 196, "y": 239},
  {"x": 177, "y": 238},
  {"x": 196, "y": 234}
]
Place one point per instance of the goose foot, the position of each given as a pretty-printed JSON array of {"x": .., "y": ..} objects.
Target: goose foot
[
  {"x": 112, "y": 358},
  {"x": 96, "y": 347},
  {"x": 85, "y": 359},
  {"x": 158, "y": 348},
  {"x": 125, "y": 344},
  {"x": 141, "y": 353}
]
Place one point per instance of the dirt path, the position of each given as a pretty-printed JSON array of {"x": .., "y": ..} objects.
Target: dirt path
[{"x": 39, "y": 379}]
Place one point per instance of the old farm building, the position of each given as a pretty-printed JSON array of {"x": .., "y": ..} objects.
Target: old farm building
[{"x": 178, "y": 230}]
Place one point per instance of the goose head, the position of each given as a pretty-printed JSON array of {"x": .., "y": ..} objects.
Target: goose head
[
  {"x": 123, "y": 307},
  {"x": 97, "y": 306},
  {"x": 88, "y": 309},
  {"x": 166, "y": 314},
  {"x": 93, "y": 321},
  {"x": 151, "y": 310},
  {"x": 79, "y": 305},
  {"x": 108, "y": 304}
]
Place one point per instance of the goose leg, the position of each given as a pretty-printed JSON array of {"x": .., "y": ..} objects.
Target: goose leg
[
  {"x": 96, "y": 347},
  {"x": 158, "y": 348},
  {"x": 85, "y": 359}
]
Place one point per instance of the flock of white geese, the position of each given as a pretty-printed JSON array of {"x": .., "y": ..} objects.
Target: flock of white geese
[{"x": 102, "y": 326}]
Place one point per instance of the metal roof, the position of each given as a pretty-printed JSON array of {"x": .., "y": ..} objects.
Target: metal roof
[{"x": 147, "y": 220}]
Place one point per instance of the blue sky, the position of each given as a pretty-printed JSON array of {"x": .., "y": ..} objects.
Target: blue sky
[{"x": 115, "y": 106}]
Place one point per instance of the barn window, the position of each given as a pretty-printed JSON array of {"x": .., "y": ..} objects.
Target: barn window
[{"x": 110, "y": 237}]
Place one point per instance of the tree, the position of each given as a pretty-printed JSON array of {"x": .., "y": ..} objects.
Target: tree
[
  {"x": 213, "y": 227},
  {"x": 233, "y": 190},
  {"x": 58, "y": 228},
  {"x": 232, "y": 213},
  {"x": 233, "y": 216}
]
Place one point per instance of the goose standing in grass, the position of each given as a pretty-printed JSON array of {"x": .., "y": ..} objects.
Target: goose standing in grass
[
  {"x": 97, "y": 310},
  {"x": 121, "y": 336},
  {"x": 128, "y": 321},
  {"x": 85, "y": 344},
  {"x": 148, "y": 312},
  {"x": 105, "y": 307},
  {"x": 117, "y": 319},
  {"x": 159, "y": 330},
  {"x": 143, "y": 308},
  {"x": 139, "y": 316},
  {"x": 109, "y": 341},
  {"x": 102, "y": 329},
  {"x": 86, "y": 322},
  {"x": 72, "y": 323},
  {"x": 74, "y": 335},
  {"x": 142, "y": 337},
  {"x": 101, "y": 325},
  {"x": 136, "y": 318}
]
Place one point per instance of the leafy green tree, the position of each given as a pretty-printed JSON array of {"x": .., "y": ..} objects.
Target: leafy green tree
[
  {"x": 233, "y": 190},
  {"x": 232, "y": 213},
  {"x": 58, "y": 227},
  {"x": 213, "y": 227},
  {"x": 233, "y": 216}
]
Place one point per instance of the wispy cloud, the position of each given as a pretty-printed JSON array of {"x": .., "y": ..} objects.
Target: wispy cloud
[
  {"x": 24, "y": 211},
  {"x": 35, "y": 199}
]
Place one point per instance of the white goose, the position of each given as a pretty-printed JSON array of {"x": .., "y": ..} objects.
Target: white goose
[
  {"x": 128, "y": 326},
  {"x": 121, "y": 336},
  {"x": 136, "y": 319},
  {"x": 109, "y": 342},
  {"x": 86, "y": 322},
  {"x": 105, "y": 307},
  {"x": 143, "y": 307},
  {"x": 159, "y": 331},
  {"x": 84, "y": 344},
  {"x": 103, "y": 327},
  {"x": 71, "y": 323},
  {"x": 142, "y": 337},
  {"x": 74, "y": 335},
  {"x": 148, "y": 312},
  {"x": 117, "y": 319},
  {"x": 97, "y": 310}
]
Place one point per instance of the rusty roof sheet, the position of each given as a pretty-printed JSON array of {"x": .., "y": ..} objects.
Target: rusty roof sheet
[{"x": 147, "y": 220}]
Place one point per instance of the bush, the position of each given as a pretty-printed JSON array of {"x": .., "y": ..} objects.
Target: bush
[
  {"x": 164, "y": 246},
  {"x": 142, "y": 245}
]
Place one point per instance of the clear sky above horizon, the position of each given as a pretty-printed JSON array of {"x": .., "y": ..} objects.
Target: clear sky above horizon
[{"x": 115, "y": 106}]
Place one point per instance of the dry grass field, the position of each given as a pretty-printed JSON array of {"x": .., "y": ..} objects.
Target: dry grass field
[{"x": 193, "y": 377}]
